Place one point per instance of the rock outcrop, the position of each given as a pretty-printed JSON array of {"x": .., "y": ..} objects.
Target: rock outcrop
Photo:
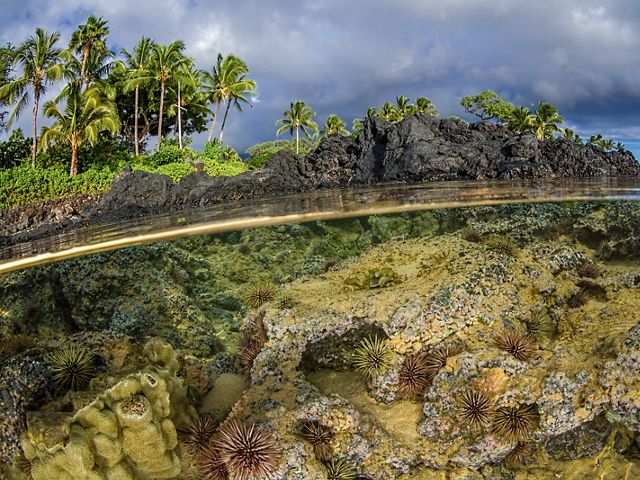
[{"x": 419, "y": 149}]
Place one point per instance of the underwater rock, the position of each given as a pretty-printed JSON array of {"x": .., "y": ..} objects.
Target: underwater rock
[
  {"x": 128, "y": 432},
  {"x": 583, "y": 441},
  {"x": 25, "y": 382}
]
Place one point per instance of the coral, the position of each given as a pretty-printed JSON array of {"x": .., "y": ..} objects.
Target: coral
[
  {"x": 588, "y": 269},
  {"x": 247, "y": 452},
  {"x": 374, "y": 278},
  {"x": 520, "y": 345},
  {"x": 211, "y": 465},
  {"x": 260, "y": 293},
  {"x": 475, "y": 409},
  {"x": 128, "y": 432},
  {"x": 515, "y": 423},
  {"x": 199, "y": 432},
  {"x": 414, "y": 375},
  {"x": 319, "y": 436},
  {"x": 72, "y": 367},
  {"x": 578, "y": 298},
  {"x": 503, "y": 246},
  {"x": 340, "y": 470},
  {"x": 371, "y": 356}
]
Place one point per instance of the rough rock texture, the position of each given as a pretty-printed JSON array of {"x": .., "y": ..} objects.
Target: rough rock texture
[{"x": 420, "y": 148}]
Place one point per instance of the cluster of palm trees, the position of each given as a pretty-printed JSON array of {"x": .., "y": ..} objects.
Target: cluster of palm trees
[
  {"x": 153, "y": 84},
  {"x": 299, "y": 117},
  {"x": 544, "y": 122}
]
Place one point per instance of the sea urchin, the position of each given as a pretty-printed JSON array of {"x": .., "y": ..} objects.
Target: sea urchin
[
  {"x": 259, "y": 294},
  {"x": 198, "y": 434},
  {"x": 340, "y": 470},
  {"x": 247, "y": 452},
  {"x": 414, "y": 375},
  {"x": 475, "y": 409},
  {"x": 371, "y": 356},
  {"x": 71, "y": 367},
  {"x": 515, "y": 423},
  {"x": 319, "y": 436},
  {"x": 519, "y": 344}
]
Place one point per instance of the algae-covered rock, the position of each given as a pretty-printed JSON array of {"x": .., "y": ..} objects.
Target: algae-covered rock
[{"x": 126, "y": 433}]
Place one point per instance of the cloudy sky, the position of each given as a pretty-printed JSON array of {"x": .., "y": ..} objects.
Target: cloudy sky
[{"x": 343, "y": 56}]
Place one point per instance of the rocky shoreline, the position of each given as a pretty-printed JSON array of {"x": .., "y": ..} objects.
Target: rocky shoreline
[{"x": 419, "y": 149}]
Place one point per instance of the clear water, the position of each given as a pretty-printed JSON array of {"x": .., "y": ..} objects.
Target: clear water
[{"x": 459, "y": 330}]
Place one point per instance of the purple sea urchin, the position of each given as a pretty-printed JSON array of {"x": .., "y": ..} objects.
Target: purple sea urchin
[
  {"x": 199, "y": 433},
  {"x": 515, "y": 423},
  {"x": 211, "y": 465},
  {"x": 437, "y": 358},
  {"x": 475, "y": 409},
  {"x": 319, "y": 436},
  {"x": 247, "y": 452},
  {"x": 414, "y": 375},
  {"x": 519, "y": 344}
]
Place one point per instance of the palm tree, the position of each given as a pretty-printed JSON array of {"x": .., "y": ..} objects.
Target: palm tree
[
  {"x": 299, "y": 116},
  {"x": 228, "y": 83},
  {"x": 40, "y": 61},
  {"x": 404, "y": 107},
  {"x": 167, "y": 61},
  {"x": 136, "y": 67},
  {"x": 334, "y": 126},
  {"x": 358, "y": 123},
  {"x": 545, "y": 121},
  {"x": 424, "y": 105},
  {"x": 520, "y": 120},
  {"x": 85, "y": 116},
  {"x": 89, "y": 38},
  {"x": 389, "y": 113}
]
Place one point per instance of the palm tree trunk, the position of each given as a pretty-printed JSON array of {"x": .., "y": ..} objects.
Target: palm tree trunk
[
  {"x": 179, "y": 120},
  {"x": 213, "y": 126},
  {"x": 297, "y": 140},
  {"x": 34, "y": 144},
  {"x": 74, "y": 159},
  {"x": 224, "y": 120},
  {"x": 83, "y": 67},
  {"x": 135, "y": 121},
  {"x": 160, "y": 116}
]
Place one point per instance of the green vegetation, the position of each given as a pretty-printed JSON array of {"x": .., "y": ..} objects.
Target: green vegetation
[
  {"x": 298, "y": 117},
  {"x": 488, "y": 105}
]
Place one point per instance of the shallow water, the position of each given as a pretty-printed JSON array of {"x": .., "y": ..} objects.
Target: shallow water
[{"x": 437, "y": 332}]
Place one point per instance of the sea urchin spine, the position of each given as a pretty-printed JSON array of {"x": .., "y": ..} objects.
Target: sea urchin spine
[{"x": 71, "y": 367}]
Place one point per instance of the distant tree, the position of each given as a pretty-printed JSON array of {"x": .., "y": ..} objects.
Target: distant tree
[
  {"x": 488, "y": 105},
  {"x": 358, "y": 123},
  {"x": 167, "y": 62},
  {"x": 298, "y": 117},
  {"x": 390, "y": 113},
  {"x": 228, "y": 83},
  {"x": 520, "y": 120},
  {"x": 621, "y": 148},
  {"x": 85, "y": 116},
  {"x": 545, "y": 121},
  {"x": 40, "y": 63},
  {"x": 334, "y": 126},
  {"x": 404, "y": 107},
  {"x": 424, "y": 105},
  {"x": 136, "y": 66},
  {"x": 601, "y": 142},
  {"x": 89, "y": 39},
  {"x": 7, "y": 54}
]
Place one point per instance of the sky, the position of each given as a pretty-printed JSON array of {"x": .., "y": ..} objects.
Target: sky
[{"x": 344, "y": 56}]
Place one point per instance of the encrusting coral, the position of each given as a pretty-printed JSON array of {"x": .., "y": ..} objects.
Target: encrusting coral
[{"x": 128, "y": 432}]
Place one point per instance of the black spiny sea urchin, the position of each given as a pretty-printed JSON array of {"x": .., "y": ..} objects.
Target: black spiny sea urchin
[
  {"x": 475, "y": 409},
  {"x": 260, "y": 293},
  {"x": 503, "y": 246},
  {"x": 371, "y": 356},
  {"x": 72, "y": 367},
  {"x": 515, "y": 423},
  {"x": 319, "y": 436},
  {"x": 340, "y": 470},
  {"x": 519, "y": 454},
  {"x": 247, "y": 452}
]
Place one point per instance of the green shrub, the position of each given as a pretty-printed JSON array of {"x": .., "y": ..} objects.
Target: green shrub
[
  {"x": 15, "y": 150},
  {"x": 170, "y": 153},
  {"x": 24, "y": 184},
  {"x": 260, "y": 154}
]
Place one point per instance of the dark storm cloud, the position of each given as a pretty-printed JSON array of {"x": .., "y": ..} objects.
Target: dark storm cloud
[{"x": 344, "y": 56}]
